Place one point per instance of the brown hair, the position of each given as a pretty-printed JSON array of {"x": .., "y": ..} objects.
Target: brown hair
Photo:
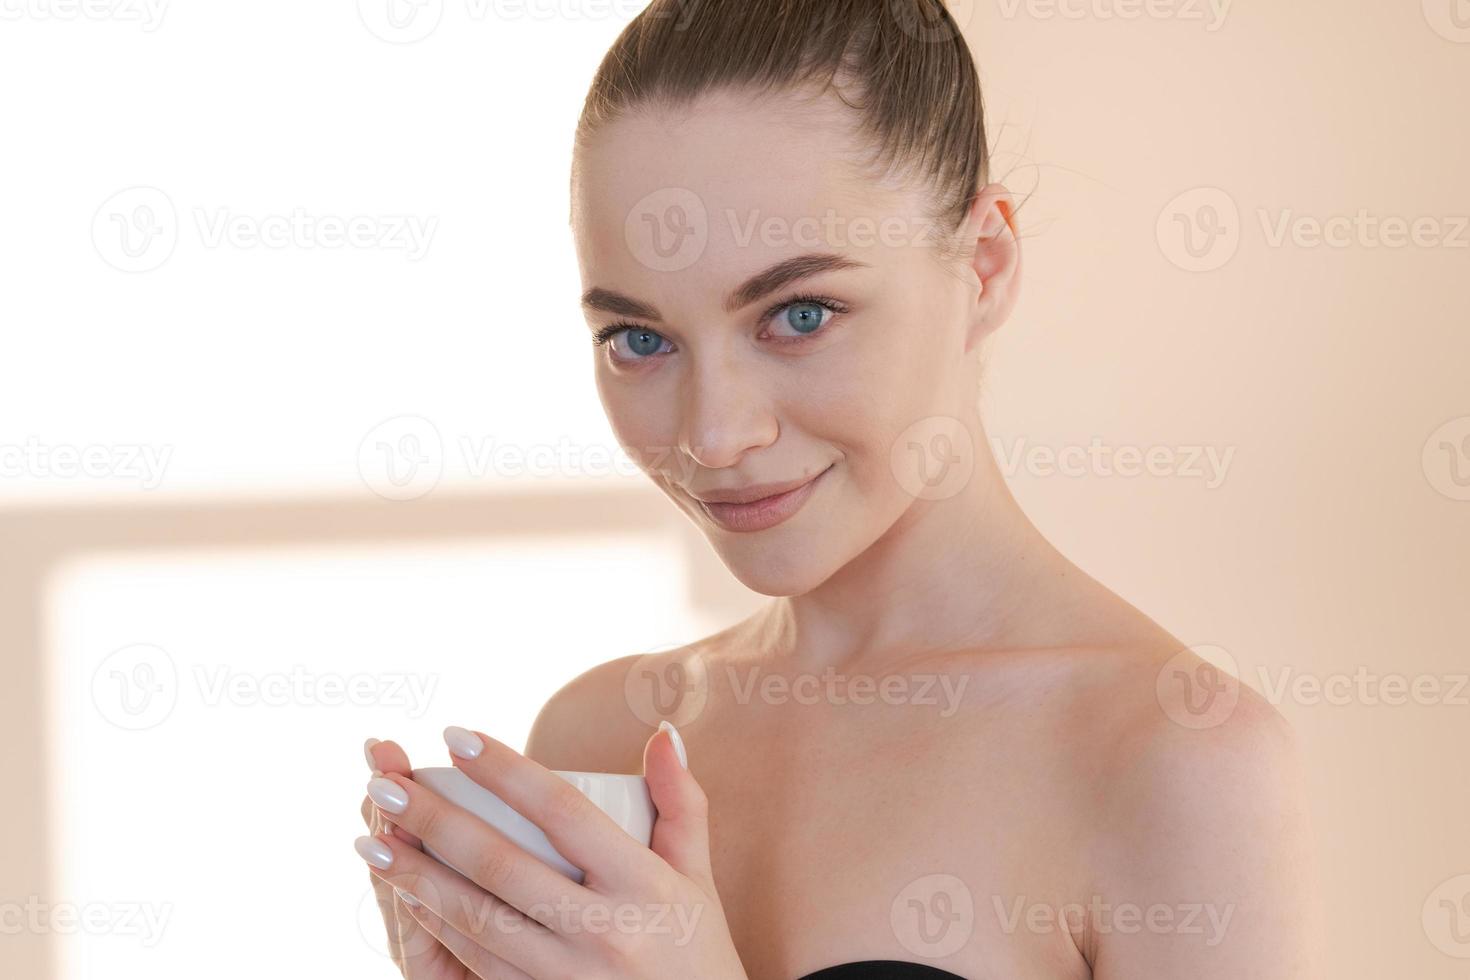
[{"x": 902, "y": 65}]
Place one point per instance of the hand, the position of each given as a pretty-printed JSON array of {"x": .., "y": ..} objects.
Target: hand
[
  {"x": 640, "y": 912},
  {"x": 416, "y": 952}
]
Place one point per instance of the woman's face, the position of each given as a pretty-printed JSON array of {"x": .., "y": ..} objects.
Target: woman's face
[{"x": 769, "y": 319}]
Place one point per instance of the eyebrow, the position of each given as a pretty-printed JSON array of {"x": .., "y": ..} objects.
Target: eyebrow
[{"x": 761, "y": 284}]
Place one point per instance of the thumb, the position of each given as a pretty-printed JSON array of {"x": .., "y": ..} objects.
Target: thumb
[{"x": 681, "y": 832}]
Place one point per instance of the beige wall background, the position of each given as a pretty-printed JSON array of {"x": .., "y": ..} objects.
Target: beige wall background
[
  {"x": 1338, "y": 543},
  {"x": 1181, "y": 163}
]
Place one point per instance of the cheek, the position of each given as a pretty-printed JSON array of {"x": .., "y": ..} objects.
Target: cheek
[
  {"x": 865, "y": 393},
  {"x": 644, "y": 425},
  {"x": 864, "y": 401}
]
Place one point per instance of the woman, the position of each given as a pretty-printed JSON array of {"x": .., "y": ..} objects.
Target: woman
[{"x": 941, "y": 749}]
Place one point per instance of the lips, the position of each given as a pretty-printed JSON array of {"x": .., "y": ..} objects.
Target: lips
[{"x": 759, "y": 507}]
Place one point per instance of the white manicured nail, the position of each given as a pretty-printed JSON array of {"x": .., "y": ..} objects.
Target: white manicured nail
[
  {"x": 677, "y": 739},
  {"x": 374, "y": 852},
  {"x": 388, "y": 794},
  {"x": 462, "y": 742},
  {"x": 367, "y": 751}
]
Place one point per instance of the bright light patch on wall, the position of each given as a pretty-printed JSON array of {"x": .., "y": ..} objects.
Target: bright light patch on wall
[{"x": 208, "y": 713}]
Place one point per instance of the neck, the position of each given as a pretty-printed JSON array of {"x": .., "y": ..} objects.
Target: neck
[{"x": 966, "y": 572}]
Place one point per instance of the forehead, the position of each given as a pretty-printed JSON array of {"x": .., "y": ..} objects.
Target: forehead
[{"x": 701, "y": 196}]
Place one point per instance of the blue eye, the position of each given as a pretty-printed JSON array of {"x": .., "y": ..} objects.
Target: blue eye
[
  {"x": 803, "y": 318},
  {"x": 634, "y": 343},
  {"x": 792, "y": 320}
]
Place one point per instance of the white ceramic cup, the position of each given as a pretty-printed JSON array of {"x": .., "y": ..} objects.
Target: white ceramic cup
[{"x": 621, "y": 796}]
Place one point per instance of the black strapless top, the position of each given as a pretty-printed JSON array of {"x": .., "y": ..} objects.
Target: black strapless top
[{"x": 882, "y": 970}]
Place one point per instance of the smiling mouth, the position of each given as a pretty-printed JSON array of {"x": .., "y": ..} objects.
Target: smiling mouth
[{"x": 762, "y": 513}]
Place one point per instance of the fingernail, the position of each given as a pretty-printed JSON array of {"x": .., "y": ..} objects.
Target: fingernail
[
  {"x": 374, "y": 852},
  {"x": 677, "y": 739},
  {"x": 367, "y": 751},
  {"x": 388, "y": 794},
  {"x": 463, "y": 743},
  {"x": 408, "y": 899}
]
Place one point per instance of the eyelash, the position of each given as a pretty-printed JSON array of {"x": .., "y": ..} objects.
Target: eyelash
[{"x": 610, "y": 331}]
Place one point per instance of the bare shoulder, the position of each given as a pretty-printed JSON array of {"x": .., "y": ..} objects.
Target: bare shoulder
[
  {"x": 1154, "y": 725},
  {"x": 586, "y": 725},
  {"x": 600, "y": 720},
  {"x": 1197, "y": 817},
  {"x": 1176, "y": 729},
  {"x": 1155, "y": 701}
]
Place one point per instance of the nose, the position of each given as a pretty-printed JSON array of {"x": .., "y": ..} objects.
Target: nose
[{"x": 725, "y": 413}]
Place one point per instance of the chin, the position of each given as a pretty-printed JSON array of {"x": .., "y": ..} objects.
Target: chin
[
  {"x": 775, "y": 564},
  {"x": 773, "y": 582}
]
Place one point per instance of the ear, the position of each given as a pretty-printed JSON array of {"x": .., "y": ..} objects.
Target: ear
[{"x": 997, "y": 261}]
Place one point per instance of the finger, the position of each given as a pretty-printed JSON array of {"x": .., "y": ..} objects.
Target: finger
[
  {"x": 420, "y": 953},
  {"x": 404, "y": 934},
  {"x": 490, "y": 923},
  {"x": 474, "y": 849},
  {"x": 408, "y": 942},
  {"x": 681, "y": 832},
  {"x": 575, "y": 826},
  {"x": 388, "y": 757},
  {"x": 383, "y": 896},
  {"x": 478, "y": 960}
]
